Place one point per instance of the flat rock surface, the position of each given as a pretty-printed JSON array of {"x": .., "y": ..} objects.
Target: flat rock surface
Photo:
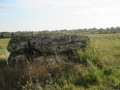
[{"x": 59, "y": 44}]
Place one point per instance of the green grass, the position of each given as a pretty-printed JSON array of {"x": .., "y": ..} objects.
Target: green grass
[
  {"x": 98, "y": 67},
  {"x": 4, "y": 43}
]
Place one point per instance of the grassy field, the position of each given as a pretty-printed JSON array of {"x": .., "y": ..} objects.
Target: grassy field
[
  {"x": 97, "y": 68},
  {"x": 3, "y": 43},
  {"x": 108, "y": 45}
]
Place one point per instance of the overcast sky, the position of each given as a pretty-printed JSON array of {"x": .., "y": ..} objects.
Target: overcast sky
[{"x": 34, "y": 15}]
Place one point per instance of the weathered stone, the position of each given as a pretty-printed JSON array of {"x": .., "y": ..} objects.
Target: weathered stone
[
  {"x": 45, "y": 48},
  {"x": 15, "y": 59},
  {"x": 60, "y": 44}
]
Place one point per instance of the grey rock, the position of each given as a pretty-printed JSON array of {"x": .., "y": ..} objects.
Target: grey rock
[
  {"x": 15, "y": 59},
  {"x": 59, "y": 44},
  {"x": 35, "y": 48}
]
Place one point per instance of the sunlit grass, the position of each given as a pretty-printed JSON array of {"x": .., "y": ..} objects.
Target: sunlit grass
[
  {"x": 108, "y": 45},
  {"x": 4, "y": 43}
]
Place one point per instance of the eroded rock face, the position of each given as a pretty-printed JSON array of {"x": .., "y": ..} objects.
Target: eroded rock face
[{"x": 44, "y": 48}]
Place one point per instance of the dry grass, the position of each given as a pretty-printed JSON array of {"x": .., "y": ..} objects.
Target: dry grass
[{"x": 29, "y": 74}]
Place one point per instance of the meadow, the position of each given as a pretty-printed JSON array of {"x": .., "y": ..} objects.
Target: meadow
[{"x": 96, "y": 68}]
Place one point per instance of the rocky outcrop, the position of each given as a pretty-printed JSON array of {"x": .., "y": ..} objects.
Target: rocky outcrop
[{"x": 44, "y": 48}]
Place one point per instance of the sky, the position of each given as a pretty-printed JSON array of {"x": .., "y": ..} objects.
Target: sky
[{"x": 38, "y": 15}]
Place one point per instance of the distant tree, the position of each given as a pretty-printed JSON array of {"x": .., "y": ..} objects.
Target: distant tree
[
  {"x": 12, "y": 34},
  {"x": 22, "y": 33},
  {"x": 1, "y": 36}
]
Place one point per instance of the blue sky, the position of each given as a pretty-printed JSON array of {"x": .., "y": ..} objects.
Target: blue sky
[{"x": 36, "y": 15}]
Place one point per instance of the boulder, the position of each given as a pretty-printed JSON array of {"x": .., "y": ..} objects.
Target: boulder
[{"x": 35, "y": 47}]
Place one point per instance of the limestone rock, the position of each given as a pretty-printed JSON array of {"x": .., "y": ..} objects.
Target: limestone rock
[
  {"x": 59, "y": 44},
  {"x": 35, "y": 47}
]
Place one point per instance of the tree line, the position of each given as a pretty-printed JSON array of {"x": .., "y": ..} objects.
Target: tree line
[{"x": 73, "y": 31}]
